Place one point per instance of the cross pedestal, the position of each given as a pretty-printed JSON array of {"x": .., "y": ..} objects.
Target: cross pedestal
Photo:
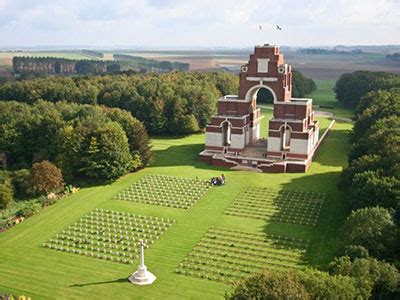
[{"x": 142, "y": 276}]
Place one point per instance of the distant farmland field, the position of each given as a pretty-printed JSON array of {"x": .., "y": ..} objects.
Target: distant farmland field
[
  {"x": 325, "y": 67},
  {"x": 320, "y": 66},
  {"x": 69, "y": 55},
  {"x": 6, "y": 57}
]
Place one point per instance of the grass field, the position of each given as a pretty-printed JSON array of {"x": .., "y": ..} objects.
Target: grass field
[
  {"x": 31, "y": 269},
  {"x": 325, "y": 97}
]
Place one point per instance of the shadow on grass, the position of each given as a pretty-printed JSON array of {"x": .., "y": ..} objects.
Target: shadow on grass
[
  {"x": 333, "y": 150},
  {"x": 182, "y": 155},
  {"x": 120, "y": 280},
  {"x": 325, "y": 236}
]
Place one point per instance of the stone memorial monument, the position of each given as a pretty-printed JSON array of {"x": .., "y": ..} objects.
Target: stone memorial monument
[{"x": 142, "y": 276}]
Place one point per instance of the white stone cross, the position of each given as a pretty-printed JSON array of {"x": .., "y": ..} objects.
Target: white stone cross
[{"x": 142, "y": 276}]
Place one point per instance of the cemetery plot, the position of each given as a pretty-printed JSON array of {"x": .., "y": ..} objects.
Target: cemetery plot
[
  {"x": 166, "y": 191},
  {"x": 227, "y": 255},
  {"x": 110, "y": 235},
  {"x": 286, "y": 206}
]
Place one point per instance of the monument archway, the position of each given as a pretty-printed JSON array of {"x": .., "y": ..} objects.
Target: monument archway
[
  {"x": 253, "y": 92},
  {"x": 226, "y": 133},
  {"x": 285, "y": 137},
  {"x": 264, "y": 96}
]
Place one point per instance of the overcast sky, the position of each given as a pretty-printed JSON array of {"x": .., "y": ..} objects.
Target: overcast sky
[{"x": 193, "y": 23}]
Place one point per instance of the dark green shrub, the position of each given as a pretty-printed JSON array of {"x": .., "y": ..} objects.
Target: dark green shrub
[
  {"x": 6, "y": 195},
  {"x": 21, "y": 181}
]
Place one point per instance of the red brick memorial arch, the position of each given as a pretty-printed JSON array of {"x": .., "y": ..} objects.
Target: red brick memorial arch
[{"x": 293, "y": 132}]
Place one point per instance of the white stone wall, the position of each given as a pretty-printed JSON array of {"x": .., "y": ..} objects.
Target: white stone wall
[
  {"x": 213, "y": 139},
  {"x": 316, "y": 135},
  {"x": 237, "y": 141},
  {"x": 247, "y": 133},
  {"x": 262, "y": 65},
  {"x": 256, "y": 129},
  {"x": 274, "y": 144},
  {"x": 310, "y": 143},
  {"x": 299, "y": 146}
]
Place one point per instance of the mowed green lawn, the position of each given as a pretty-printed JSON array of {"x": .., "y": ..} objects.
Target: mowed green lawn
[
  {"x": 30, "y": 269},
  {"x": 325, "y": 97}
]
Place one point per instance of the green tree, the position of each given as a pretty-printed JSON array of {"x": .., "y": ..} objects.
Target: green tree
[
  {"x": 370, "y": 189},
  {"x": 351, "y": 87},
  {"x": 371, "y": 228},
  {"x": 226, "y": 83},
  {"x": 374, "y": 106},
  {"x": 113, "y": 68},
  {"x": 145, "y": 96},
  {"x": 189, "y": 124},
  {"x": 106, "y": 156},
  {"x": 21, "y": 181},
  {"x": 46, "y": 178},
  {"x": 378, "y": 280},
  {"x": 301, "y": 85},
  {"x": 6, "y": 195},
  {"x": 382, "y": 138},
  {"x": 270, "y": 285},
  {"x": 138, "y": 139},
  {"x": 57, "y": 67},
  {"x": 322, "y": 285}
]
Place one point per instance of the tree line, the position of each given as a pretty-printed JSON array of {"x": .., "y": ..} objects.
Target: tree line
[
  {"x": 394, "y": 56},
  {"x": 168, "y": 103},
  {"x": 372, "y": 179},
  {"x": 140, "y": 63},
  {"x": 351, "y": 87},
  {"x": 93, "y": 53},
  {"x": 360, "y": 278},
  {"x": 85, "y": 141},
  {"x": 319, "y": 51},
  {"x": 54, "y": 65},
  {"x": 62, "y": 66}
]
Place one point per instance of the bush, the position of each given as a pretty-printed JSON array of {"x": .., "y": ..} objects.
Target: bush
[
  {"x": 6, "y": 195},
  {"x": 46, "y": 178},
  {"x": 28, "y": 212},
  {"x": 46, "y": 201}
]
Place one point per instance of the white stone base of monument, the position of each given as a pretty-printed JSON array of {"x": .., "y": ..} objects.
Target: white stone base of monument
[{"x": 142, "y": 276}]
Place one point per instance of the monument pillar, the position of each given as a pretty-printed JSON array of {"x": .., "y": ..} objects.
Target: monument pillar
[{"x": 142, "y": 276}]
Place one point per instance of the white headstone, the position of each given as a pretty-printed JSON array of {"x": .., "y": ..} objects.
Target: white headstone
[{"x": 142, "y": 276}]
